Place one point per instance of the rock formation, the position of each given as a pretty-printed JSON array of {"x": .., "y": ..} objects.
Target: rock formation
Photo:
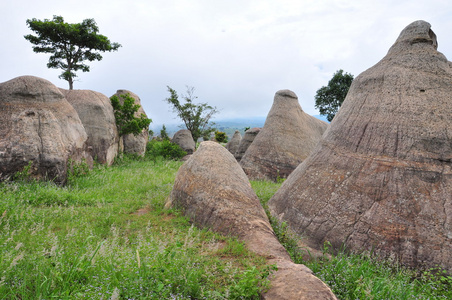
[
  {"x": 287, "y": 138},
  {"x": 381, "y": 178},
  {"x": 185, "y": 140},
  {"x": 38, "y": 125},
  {"x": 234, "y": 143},
  {"x": 214, "y": 192},
  {"x": 130, "y": 142},
  {"x": 96, "y": 113},
  {"x": 246, "y": 141}
]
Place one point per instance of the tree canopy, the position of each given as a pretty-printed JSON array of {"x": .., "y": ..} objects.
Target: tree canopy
[
  {"x": 126, "y": 121},
  {"x": 196, "y": 117},
  {"x": 70, "y": 44},
  {"x": 328, "y": 99}
]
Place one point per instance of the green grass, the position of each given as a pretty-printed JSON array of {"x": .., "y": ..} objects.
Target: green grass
[
  {"x": 106, "y": 235},
  {"x": 360, "y": 276}
]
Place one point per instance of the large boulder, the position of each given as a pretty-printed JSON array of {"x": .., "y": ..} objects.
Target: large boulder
[
  {"x": 185, "y": 140},
  {"x": 135, "y": 144},
  {"x": 214, "y": 192},
  {"x": 96, "y": 113},
  {"x": 287, "y": 138},
  {"x": 234, "y": 143},
  {"x": 381, "y": 178},
  {"x": 39, "y": 127},
  {"x": 246, "y": 141}
]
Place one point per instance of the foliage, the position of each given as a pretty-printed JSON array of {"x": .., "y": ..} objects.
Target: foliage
[
  {"x": 221, "y": 137},
  {"x": 25, "y": 173},
  {"x": 107, "y": 236},
  {"x": 329, "y": 98},
  {"x": 165, "y": 149},
  {"x": 196, "y": 117},
  {"x": 70, "y": 44},
  {"x": 126, "y": 122},
  {"x": 164, "y": 133}
]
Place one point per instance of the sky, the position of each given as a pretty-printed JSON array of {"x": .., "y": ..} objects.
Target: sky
[{"x": 236, "y": 53}]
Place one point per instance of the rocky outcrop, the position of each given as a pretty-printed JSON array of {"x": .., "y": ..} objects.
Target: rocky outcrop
[
  {"x": 214, "y": 192},
  {"x": 246, "y": 141},
  {"x": 39, "y": 127},
  {"x": 96, "y": 113},
  {"x": 184, "y": 139},
  {"x": 287, "y": 138},
  {"x": 130, "y": 143},
  {"x": 381, "y": 178},
  {"x": 234, "y": 143}
]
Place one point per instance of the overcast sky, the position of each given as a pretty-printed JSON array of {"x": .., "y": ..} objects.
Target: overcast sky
[{"x": 236, "y": 53}]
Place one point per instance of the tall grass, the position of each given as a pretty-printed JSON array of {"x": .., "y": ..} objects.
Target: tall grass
[
  {"x": 362, "y": 275},
  {"x": 105, "y": 235}
]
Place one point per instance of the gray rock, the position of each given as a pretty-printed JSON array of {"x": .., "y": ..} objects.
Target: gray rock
[
  {"x": 234, "y": 143},
  {"x": 214, "y": 192},
  {"x": 287, "y": 138},
  {"x": 246, "y": 141},
  {"x": 185, "y": 140},
  {"x": 381, "y": 178},
  {"x": 129, "y": 142},
  {"x": 39, "y": 126},
  {"x": 96, "y": 113}
]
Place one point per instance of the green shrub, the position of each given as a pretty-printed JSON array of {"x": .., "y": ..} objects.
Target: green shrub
[
  {"x": 165, "y": 149},
  {"x": 221, "y": 137}
]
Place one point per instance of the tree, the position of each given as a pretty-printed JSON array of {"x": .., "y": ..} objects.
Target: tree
[
  {"x": 196, "y": 117},
  {"x": 164, "y": 133},
  {"x": 329, "y": 98},
  {"x": 71, "y": 44},
  {"x": 126, "y": 121}
]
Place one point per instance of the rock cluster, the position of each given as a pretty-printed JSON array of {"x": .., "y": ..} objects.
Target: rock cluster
[{"x": 381, "y": 178}]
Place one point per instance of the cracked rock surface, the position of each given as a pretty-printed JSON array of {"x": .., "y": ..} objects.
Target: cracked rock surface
[{"x": 381, "y": 178}]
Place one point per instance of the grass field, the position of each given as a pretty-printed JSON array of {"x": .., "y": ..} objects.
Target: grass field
[{"x": 105, "y": 235}]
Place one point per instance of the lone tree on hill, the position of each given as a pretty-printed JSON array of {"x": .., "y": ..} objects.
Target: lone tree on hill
[
  {"x": 71, "y": 44},
  {"x": 196, "y": 117},
  {"x": 329, "y": 98},
  {"x": 126, "y": 121}
]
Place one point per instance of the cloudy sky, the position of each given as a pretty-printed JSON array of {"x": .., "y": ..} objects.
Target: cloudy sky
[{"x": 236, "y": 53}]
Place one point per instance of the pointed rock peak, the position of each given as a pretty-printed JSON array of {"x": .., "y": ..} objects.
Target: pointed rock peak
[
  {"x": 286, "y": 93},
  {"x": 417, "y": 32}
]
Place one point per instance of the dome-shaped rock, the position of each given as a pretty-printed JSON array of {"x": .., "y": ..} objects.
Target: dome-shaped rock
[
  {"x": 184, "y": 139},
  {"x": 245, "y": 142},
  {"x": 381, "y": 178},
  {"x": 234, "y": 143},
  {"x": 287, "y": 138}
]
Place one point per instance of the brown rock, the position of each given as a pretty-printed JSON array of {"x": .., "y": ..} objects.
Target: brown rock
[
  {"x": 39, "y": 126},
  {"x": 234, "y": 143},
  {"x": 381, "y": 179},
  {"x": 131, "y": 143},
  {"x": 96, "y": 113},
  {"x": 215, "y": 193},
  {"x": 287, "y": 138},
  {"x": 185, "y": 140},
  {"x": 246, "y": 141}
]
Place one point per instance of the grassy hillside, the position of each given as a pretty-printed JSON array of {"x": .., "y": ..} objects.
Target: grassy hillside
[{"x": 106, "y": 236}]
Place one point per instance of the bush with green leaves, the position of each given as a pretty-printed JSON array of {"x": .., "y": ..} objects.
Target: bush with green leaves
[
  {"x": 126, "y": 121},
  {"x": 165, "y": 149},
  {"x": 221, "y": 137}
]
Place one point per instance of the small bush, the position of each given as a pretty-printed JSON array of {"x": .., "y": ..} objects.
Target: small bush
[
  {"x": 165, "y": 149},
  {"x": 221, "y": 137}
]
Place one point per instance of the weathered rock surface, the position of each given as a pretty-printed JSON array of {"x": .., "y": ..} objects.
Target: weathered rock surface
[
  {"x": 246, "y": 141},
  {"x": 38, "y": 125},
  {"x": 185, "y": 140},
  {"x": 214, "y": 192},
  {"x": 96, "y": 113},
  {"x": 381, "y": 178},
  {"x": 234, "y": 143},
  {"x": 131, "y": 143},
  {"x": 287, "y": 138}
]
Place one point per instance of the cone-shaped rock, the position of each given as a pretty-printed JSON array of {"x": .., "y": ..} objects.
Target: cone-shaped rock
[
  {"x": 134, "y": 143},
  {"x": 96, "y": 113},
  {"x": 38, "y": 125},
  {"x": 234, "y": 143},
  {"x": 287, "y": 138},
  {"x": 214, "y": 192},
  {"x": 246, "y": 141},
  {"x": 381, "y": 178},
  {"x": 185, "y": 140}
]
